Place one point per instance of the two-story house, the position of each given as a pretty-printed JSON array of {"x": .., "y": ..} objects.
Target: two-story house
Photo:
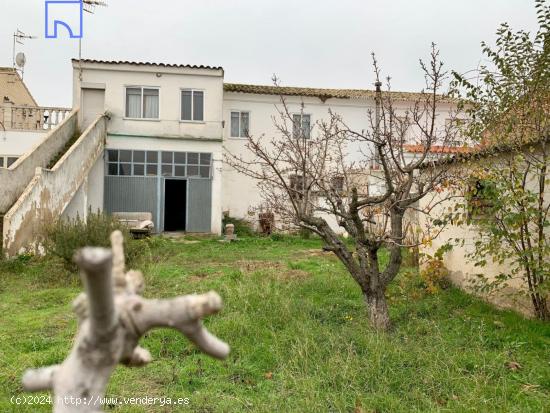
[{"x": 170, "y": 125}]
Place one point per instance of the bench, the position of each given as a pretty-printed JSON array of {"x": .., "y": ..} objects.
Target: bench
[{"x": 138, "y": 223}]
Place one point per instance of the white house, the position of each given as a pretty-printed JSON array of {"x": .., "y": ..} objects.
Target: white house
[{"x": 170, "y": 124}]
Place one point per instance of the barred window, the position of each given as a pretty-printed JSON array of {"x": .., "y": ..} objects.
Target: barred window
[
  {"x": 297, "y": 185},
  {"x": 337, "y": 183},
  {"x": 301, "y": 126}
]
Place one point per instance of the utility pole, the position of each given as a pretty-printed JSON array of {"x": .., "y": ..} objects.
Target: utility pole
[{"x": 377, "y": 103}]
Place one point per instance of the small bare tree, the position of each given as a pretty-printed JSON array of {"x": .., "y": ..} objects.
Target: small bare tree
[{"x": 318, "y": 178}]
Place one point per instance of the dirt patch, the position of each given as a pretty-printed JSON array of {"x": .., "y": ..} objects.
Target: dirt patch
[
  {"x": 318, "y": 253},
  {"x": 281, "y": 270}
]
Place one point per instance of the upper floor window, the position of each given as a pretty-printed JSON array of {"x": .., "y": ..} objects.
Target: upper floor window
[
  {"x": 239, "y": 124},
  {"x": 301, "y": 126},
  {"x": 142, "y": 102},
  {"x": 192, "y": 105}
]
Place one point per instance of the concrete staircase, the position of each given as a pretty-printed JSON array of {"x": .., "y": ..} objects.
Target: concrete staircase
[{"x": 38, "y": 188}]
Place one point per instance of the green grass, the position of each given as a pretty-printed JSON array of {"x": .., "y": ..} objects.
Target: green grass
[{"x": 299, "y": 337}]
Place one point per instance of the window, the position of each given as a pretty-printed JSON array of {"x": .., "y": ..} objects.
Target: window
[
  {"x": 123, "y": 162},
  {"x": 337, "y": 183},
  {"x": 7, "y": 161},
  {"x": 297, "y": 185},
  {"x": 192, "y": 105},
  {"x": 142, "y": 102},
  {"x": 301, "y": 127},
  {"x": 239, "y": 124},
  {"x": 132, "y": 163}
]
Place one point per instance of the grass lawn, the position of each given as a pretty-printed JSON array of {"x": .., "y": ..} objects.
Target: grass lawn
[{"x": 299, "y": 337}]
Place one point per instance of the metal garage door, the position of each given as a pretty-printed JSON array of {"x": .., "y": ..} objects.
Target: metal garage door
[
  {"x": 199, "y": 205},
  {"x": 132, "y": 194}
]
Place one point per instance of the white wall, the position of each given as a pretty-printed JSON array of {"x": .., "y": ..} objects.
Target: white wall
[
  {"x": 51, "y": 191},
  {"x": 13, "y": 142},
  {"x": 462, "y": 269},
  {"x": 240, "y": 193},
  {"x": 95, "y": 185},
  {"x": 114, "y": 78}
]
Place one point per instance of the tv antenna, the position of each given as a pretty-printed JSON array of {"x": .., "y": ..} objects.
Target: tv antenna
[
  {"x": 89, "y": 7},
  {"x": 19, "y": 58}
]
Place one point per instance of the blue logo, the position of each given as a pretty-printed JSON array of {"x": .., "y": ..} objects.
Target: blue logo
[{"x": 66, "y": 13}]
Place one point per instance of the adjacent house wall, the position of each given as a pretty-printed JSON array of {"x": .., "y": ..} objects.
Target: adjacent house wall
[
  {"x": 462, "y": 270},
  {"x": 241, "y": 196}
]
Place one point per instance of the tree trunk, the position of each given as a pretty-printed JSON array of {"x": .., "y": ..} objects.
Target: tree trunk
[{"x": 377, "y": 307}]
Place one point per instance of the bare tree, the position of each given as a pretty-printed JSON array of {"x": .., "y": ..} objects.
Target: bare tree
[{"x": 310, "y": 180}]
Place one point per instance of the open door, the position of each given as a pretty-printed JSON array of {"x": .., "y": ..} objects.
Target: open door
[{"x": 175, "y": 204}]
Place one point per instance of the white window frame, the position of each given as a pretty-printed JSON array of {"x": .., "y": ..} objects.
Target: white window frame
[
  {"x": 141, "y": 107},
  {"x": 5, "y": 160},
  {"x": 301, "y": 122},
  {"x": 193, "y": 90},
  {"x": 239, "y": 111}
]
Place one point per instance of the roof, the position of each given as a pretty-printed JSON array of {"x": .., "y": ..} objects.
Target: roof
[
  {"x": 127, "y": 62},
  {"x": 322, "y": 94},
  {"x": 13, "y": 89},
  {"x": 485, "y": 151},
  {"x": 439, "y": 149}
]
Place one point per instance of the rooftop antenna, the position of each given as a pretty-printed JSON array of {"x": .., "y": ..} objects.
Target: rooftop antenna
[
  {"x": 19, "y": 59},
  {"x": 89, "y": 7}
]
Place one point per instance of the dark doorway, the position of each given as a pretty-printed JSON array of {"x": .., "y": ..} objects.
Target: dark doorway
[{"x": 175, "y": 201}]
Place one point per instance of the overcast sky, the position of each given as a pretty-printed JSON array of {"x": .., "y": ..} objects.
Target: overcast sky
[{"x": 305, "y": 42}]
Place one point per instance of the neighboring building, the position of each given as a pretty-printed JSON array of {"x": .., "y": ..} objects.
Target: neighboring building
[
  {"x": 170, "y": 125},
  {"x": 462, "y": 269},
  {"x": 23, "y": 122}
]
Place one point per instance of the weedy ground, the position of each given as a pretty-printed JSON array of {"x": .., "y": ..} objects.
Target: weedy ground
[{"x": 300, "y": 341}]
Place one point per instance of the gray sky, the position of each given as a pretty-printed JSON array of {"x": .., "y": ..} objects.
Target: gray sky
[{"x": 305, "y": 42}]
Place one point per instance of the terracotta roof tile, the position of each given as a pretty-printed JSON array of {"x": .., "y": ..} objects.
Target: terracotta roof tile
[
  {"x": 320, "y": 93},
  {"x": 440, "y": 149},
  {"x": 127, "y": 62}
]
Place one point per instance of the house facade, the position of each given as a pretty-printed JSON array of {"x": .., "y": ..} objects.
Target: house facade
[{"x": 168, "y": 129}]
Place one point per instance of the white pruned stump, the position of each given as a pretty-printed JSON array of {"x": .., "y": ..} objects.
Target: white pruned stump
[{"x": 112, "y": 317}]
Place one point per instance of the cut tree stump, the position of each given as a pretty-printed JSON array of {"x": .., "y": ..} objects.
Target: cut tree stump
[{"x": 112, "y": 316}]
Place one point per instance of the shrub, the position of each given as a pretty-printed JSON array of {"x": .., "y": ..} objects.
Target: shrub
[
  {"x": 65, "y": 237},
  {"x": 434, "y": 274},
  {"x": 243, "y": 228}
]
